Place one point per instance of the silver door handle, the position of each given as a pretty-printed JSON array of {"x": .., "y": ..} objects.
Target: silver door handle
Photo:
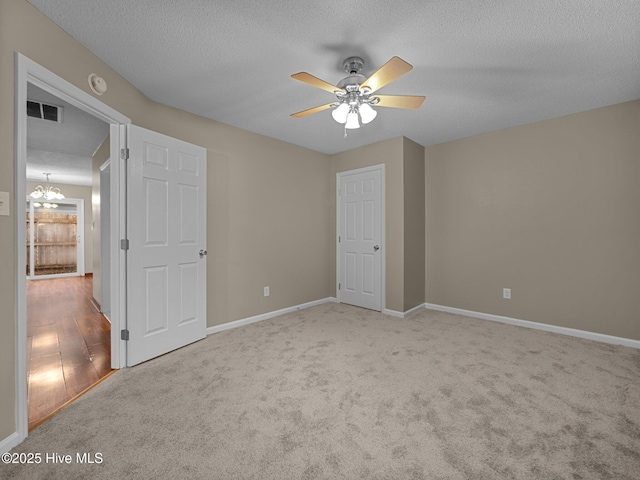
[
  {"x": 376, "y": 248},
  {"x": 202, "y": 253}
]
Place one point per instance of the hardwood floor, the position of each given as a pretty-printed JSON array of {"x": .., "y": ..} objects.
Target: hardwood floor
[{"x": 68, "y": 344}]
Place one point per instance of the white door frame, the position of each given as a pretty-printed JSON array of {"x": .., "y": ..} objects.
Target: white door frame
[
  {"x": 383, "y": 243},
  {"x": 79, "y": 205},
  {"x": 105, "y": 237},
  {"x": 28, "y": 71}
]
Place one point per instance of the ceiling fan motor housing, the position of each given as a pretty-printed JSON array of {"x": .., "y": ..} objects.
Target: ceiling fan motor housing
[
  {"x": 353, "y": 95},
  {"x": 352, "y": 82},
  {"x": 353, "y": 65}
]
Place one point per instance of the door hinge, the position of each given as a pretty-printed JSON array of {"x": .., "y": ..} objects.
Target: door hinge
[
  {"x": 339, "y": 239},
  {"x": 339, "y": 287},
  {"x": 124, "y": 244},
  {"x": 124, "y": 154},
  {"x": 124, "y": 335}
]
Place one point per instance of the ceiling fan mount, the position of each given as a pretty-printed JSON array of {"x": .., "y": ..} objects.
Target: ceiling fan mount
[
  {"x": 353, "y": 65},
  {"x": 354, "y": 93}
]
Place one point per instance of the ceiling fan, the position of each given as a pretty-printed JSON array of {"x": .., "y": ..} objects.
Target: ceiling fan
[{"x": 354, "y": 93}]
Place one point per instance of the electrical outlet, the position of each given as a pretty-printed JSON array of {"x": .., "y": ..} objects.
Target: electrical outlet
[
  {"x": 506, "y": 293},
  {"x": 266, "y": 291}
]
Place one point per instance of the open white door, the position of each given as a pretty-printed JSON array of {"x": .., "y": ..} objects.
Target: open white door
[
  {"x": 360, "y": 246},
  {"x": 166, "y": 227}
]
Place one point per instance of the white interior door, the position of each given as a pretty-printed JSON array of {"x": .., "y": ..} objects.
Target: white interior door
[
  {"x": 166, "y": 262},
  {"x": 360, "y": 237}
]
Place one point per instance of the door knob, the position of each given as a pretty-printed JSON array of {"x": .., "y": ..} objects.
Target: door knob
[
  {"x": 202, "y": 253},
  {"x": 376, "y": 248}
]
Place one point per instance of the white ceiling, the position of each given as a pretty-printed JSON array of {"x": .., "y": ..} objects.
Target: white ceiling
[
  {"x": 483, "y": 65},
  {"x": 63, "y": 149}
]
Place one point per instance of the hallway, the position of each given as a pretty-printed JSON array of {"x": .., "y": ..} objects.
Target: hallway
[{"x": 68, "y": 344}]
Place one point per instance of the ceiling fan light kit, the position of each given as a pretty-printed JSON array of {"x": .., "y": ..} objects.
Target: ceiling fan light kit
[
  {"x": 354, "y": 93},
  {"x": 340, "y": 113},
  {"x": 367, "y": 114}
]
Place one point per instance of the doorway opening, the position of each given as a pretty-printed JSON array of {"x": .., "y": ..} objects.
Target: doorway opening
[
  {"x": 30, "y": 75},
  {"x": 68, "y": 338}
]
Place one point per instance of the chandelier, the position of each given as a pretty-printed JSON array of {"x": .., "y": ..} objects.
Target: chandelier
[{"x": 48, "y": 195}]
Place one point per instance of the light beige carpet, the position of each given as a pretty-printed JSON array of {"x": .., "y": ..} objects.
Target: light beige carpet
[{"x": 338, "y": 392}]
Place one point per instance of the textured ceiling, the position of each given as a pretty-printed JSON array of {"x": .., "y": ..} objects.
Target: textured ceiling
[
  {"x": 483, "y": 65},
  {"x": 63, "y": 149}
]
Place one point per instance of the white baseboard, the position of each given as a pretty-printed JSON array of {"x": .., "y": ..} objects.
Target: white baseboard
[
  {"x": 9, "y": 442},
  {"x": 265, "y": 316},
  {"x": 598, "y": 337},
  {"x": 395, "y": 313},
  {"x": 415, "y": 310}
]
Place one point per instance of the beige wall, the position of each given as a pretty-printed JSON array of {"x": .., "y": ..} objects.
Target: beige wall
[
  {"x": 84, "y": 193},
  {"x": 550, "y": 210},
  {"x": 389, "y": 153},
  {"x": 268, "y": 217},
  {"x": 414, "y": 224},
  {"x": 268, "y": 222}
]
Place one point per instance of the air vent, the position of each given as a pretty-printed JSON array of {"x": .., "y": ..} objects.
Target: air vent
[{"x": 44, "y": 111}]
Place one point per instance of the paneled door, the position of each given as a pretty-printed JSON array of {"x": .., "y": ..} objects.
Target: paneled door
[
  {"x": 166, "y": 228},
  {"x": 360, "y": 245}
]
